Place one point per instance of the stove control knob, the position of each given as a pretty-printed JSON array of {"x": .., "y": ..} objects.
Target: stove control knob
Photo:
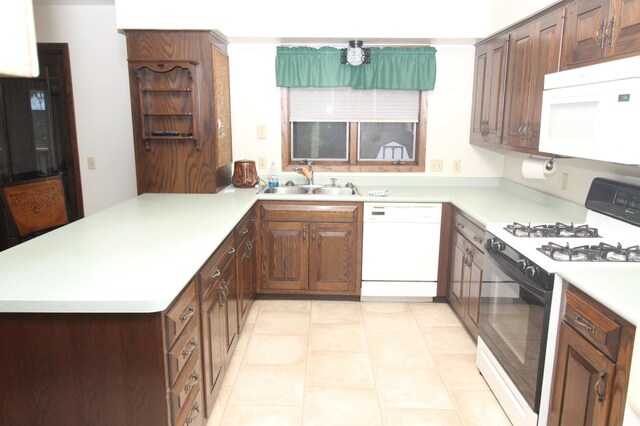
[
  {"x": 531, "y": 271},
  {"x": 496, "y": 244},
  {"x": 522, "y": 264}
]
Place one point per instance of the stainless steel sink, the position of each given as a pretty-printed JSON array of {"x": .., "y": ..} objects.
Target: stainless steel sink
[
  {"x": 329, "y": 190},
  {"x": 285, "y": 190}
]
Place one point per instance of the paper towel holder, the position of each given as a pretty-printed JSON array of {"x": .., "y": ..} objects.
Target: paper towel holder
[{"x": 549, "y": 165}]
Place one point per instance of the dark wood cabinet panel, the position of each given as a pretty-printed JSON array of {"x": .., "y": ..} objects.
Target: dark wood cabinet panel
[
  {"x": 599, "y": 31},
  {"x": 310, "y": 248},
  {"x": 212, "y": 351},
  {"x": 180, "y": 102},
  {"x": 488, "y": 91}
]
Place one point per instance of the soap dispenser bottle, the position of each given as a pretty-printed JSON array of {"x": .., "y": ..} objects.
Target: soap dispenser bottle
[{"x": 273, "y": 175}]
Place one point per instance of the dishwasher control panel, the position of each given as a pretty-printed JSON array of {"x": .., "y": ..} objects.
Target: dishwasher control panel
[{"x": 402, "y": 212}]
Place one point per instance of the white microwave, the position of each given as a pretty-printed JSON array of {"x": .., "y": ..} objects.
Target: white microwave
[{"x": 593, "y": 112}]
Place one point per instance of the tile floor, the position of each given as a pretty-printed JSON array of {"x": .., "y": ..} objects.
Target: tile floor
[{"x": 354, "y": 363}]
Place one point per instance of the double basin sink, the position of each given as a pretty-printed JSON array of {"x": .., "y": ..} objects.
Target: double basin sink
[{"x": 311, "y": 189}]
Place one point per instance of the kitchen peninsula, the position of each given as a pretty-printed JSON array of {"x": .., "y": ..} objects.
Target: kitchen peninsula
[{"x": 112, "y": 278}]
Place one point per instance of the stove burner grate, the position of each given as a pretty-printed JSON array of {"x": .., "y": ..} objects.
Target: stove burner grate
[
  {"x": 552, "y": 230},
  {"x": 591, "y": 253}
]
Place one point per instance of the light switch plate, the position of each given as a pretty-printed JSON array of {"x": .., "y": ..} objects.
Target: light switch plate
[{"x": 91, "y": 163}]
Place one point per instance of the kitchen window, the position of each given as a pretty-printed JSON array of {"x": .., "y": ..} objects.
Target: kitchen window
[
  {"x": 370, "y": 117},
  {"x": 354, "y": 130}
]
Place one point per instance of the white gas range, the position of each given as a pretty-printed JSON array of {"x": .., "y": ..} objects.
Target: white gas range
[{"x": 520, "y": 310}]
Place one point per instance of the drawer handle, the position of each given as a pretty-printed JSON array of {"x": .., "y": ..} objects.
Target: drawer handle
[
  {"x": 193, "y": 379},
  {"x": 582, "y": 322},
  {"x": 245, "y": 231},
  {"x": 192, "y": 346},
  {"x": 231, "y": 251},
  {"x": 601, "y": 386},
  {"x": 195, "y": 408},
  {"x": 188, "y": 313},
  {"x": 253, "y": 218},
  {"x": 215, "y": 274},
  {"x": 459, "y": 225},
  {"x": 478, "y": 239}
]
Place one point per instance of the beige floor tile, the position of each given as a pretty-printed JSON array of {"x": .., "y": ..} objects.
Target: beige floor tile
[
  {"x": 326, "y": 312},
  {"x": 282, "y": 323},
  {"x": 215, "y": 418},
  {"x": 448, "y": 340},
  {"x": 253, "y": 313},
  {"x": 479, "y": 408},
  {"x": 393, "y": 325},
  {"x": 459, "y": 371},
  {"x": 339, "y": 369},
  {"x": 245, "y": 336},
  {"x": 285, "y": 306},
  {"x": 405, "y": 417},
  {"x": 232, "y": 369},
  {"x": 337, "y": 337},
  {"x": 259, "y": 415},
  {"x": 268, "y": 385},
  {"x": 276, "y": 349},
  {"x": 385, "y": 307},
  {"x": 399, "y": 352},
  {"x": 435, "y": 314},
  {"x": 411, "y": 388},
  {"x": 335, "y": 406}
]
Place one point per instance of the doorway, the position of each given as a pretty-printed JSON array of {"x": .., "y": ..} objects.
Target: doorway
[{"x": 38, "y": 131}]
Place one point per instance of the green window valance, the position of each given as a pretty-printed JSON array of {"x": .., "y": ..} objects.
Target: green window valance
[{"x": 391, "y": 68}]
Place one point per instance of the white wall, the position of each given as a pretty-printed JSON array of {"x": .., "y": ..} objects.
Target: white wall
[
  {"x": 507, "y": 12},
  {"x": 101, "y": 97},
  {"x": 255, "y": 100}
]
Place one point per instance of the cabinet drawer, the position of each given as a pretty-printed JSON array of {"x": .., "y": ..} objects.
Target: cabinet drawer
[
  {"x": 469, "y": 229},
  {"x": 583, "y": 314},
  {"x": 210, "y": 273},
  {"x": 181, "y": 314},
  {"x": 309, "y": 212},
  {"x": 245, "y": 226},
  {"x": 187, "y": 346},
  {"x": 190, "y": 378},
  {"x": 192, "y": 413}
]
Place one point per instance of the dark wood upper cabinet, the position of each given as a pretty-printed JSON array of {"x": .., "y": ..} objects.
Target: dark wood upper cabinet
[
  {"x": 180, "y": 105},
  {"x": 599, "y": 31},
  {"x": 488, "y": 91}
]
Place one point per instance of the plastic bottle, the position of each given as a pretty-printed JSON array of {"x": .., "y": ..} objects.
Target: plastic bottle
[{"x": 273, "y": 175}]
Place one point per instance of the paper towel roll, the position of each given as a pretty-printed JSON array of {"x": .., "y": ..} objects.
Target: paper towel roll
[{"x": 537, "y": 168}]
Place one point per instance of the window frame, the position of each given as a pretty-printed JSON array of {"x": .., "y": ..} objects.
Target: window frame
[{"x": 352, "y": 164}]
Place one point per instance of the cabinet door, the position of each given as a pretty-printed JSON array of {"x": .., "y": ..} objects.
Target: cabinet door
[
  {"x": 473, "y": 282},
  {"x": 456, "y": 288},
  {"x": 585, "y": 23},
  {"x": 213, "y": 353},
  {"x": 478, "y": 121},
  {"x": 229, "y": 288},
  {"x": 285, "y": 253},
  {"x": 246, "y": 277},
  {"x": 625, "y": 29},
  {"x": 519, "y": 76},
  {"x": 222, "y": 116},
  {"x": 582, "y": 387},
  {"x": 333, "y": 257}
]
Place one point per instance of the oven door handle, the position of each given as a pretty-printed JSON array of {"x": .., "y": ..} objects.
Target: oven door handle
[{"x": 518, "y": 276}]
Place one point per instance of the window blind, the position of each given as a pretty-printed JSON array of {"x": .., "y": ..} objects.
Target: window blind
[{"x": 346, "y": 104}]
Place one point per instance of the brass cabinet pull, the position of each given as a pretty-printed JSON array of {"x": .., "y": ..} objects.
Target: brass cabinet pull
[
  {"x": 601, "y": 35},
  {"x": 304, "y": 235},
  {"x": 459, "y": 225},
  {"x": 193, "y": 379},
  {"x": 231, "y": 250},
  {"x": 215, "y": 274},
  {"x": 192, "y": 346},
  {"x": 612, "y": 24},
  {"x": 245, "y": 231},
  {"x": 313, "y": 235},
  {"x": 601, "y": 386},
  {"x": 195, "y": 408},
  {"x": 253, "y": 219},
  {"x": 583, "y": 322},
  {"x": 478, "y": 239},
  {"x": 188, "y": 313},
  {"x": 520, "y": 131}
]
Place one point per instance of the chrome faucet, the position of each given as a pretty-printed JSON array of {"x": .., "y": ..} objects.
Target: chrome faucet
[{"x": 308, "y": 172}]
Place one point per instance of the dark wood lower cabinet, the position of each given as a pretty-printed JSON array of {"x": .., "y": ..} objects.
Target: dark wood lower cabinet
[
  {"x": 593, "y": 359},
  {"x": 213, "y": 355}
]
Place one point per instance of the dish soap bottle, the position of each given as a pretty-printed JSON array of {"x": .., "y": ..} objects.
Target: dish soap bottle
[{"x": 273, "y": 175}]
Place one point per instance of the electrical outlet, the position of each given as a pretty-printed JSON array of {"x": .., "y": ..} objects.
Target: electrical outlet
[
  {"x": 436, "y": 165},
  {"x": 91, "y": 163},
  {"x": 565, "y": 181},
  {"x": 457, "y": 166},
  {"x": 261, "y": 131},
  {"x": 262, "y": 162}
]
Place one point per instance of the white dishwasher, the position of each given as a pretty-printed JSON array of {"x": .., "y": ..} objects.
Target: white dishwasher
[{"x": 400, "y": 251}]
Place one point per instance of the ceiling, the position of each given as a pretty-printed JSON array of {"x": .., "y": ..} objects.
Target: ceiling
[{"x": 73, "y": 2}]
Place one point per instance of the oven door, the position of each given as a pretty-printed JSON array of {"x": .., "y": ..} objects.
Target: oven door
[{"x": 514, "y": 319}]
